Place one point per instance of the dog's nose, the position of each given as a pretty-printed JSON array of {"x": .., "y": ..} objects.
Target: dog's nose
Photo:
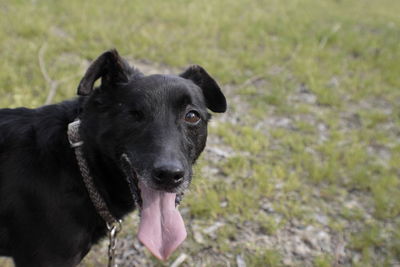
[{"x": 168, "y": 174}]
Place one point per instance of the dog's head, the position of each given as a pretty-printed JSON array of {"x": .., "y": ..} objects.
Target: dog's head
[{"x": 158, "y": 122}]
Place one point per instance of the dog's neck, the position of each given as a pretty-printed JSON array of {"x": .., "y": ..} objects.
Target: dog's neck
[
  {"x": 107, "y": 178},
  {"x": 97, "y": 200}
]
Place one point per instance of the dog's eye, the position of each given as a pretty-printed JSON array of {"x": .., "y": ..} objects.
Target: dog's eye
[{"x": 192, "y": 117}]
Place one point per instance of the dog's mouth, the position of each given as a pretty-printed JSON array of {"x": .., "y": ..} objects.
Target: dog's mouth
[{"x": 161, "y": 227}]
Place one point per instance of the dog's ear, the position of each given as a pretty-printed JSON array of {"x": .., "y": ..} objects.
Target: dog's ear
[
  {"x": 110, "y": 67},
  {"x": 215, "y": 99}
]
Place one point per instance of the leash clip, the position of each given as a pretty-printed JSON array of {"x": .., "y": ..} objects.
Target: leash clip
[{"x": 73, "y": 134}]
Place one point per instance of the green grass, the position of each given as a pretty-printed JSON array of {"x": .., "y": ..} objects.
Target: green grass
[
  {"x": 344, "y": 53},
  {"x": 268, "y": 258}
]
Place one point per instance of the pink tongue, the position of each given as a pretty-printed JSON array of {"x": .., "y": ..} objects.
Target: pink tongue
[{"x": 161, "y": 227}]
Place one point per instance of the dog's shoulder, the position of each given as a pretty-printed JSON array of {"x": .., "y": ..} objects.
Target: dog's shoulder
[
  {"x": 37, "y": 126},
  {"x": 14, "y": 122}
]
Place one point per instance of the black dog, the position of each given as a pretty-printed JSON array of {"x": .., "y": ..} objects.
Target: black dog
[{"x": 158, "y": 122}]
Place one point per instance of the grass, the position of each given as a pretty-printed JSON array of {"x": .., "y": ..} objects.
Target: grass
[{"x": 305, "y": 156}]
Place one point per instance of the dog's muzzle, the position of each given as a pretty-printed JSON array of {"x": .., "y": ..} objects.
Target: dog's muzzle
[{"x": 132, "y": 178}]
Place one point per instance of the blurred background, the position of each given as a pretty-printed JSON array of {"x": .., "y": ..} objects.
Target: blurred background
[{"x": 303, "y": 170}]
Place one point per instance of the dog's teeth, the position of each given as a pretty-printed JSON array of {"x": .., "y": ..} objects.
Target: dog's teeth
[{"x": 178, "y": 199}]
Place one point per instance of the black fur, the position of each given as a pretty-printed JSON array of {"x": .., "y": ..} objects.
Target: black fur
[{"x": 46, "y": 216}]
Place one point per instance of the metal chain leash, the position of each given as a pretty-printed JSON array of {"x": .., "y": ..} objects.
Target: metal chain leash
[
  {"x": 114, "y": 226},
  {"x": 113, "y": 231}
]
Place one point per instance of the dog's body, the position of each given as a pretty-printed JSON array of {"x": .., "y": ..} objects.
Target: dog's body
[
  {"x": 46, "y": 216},
  {"x": 159, "y": 121}
]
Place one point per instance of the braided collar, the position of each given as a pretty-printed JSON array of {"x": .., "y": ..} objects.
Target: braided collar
[{"x": 97, "y": 200}]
